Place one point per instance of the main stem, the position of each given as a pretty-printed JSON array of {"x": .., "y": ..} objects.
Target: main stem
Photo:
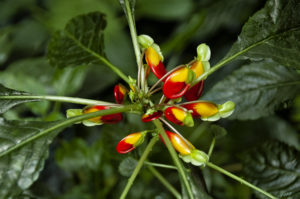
[
  {"x": 138, "y": 166},
  {"x": 175, "y": 158},
  {"x": 213, "y": 166},
  {"x": 135, "y": 43},
  {"x": 75, "y": 100}
]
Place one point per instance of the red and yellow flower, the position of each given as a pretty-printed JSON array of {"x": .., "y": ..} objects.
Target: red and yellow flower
[
  {"x": 178, "y": 82},
  {"x": 147, "y": 117},
  {"x": 106, "y": 119},
  {"x": 210, "y": 111},
  {"x": 181, "y": 146},
  {"x": 130, "y": 142},
  {"x": 154, "y": 61},
  {"x": 179, "y": 116},
  {"x": 120, "y": 93}
]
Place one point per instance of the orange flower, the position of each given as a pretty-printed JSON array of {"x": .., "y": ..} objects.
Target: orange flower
[
  {"x": 120, "y": 92},
  {"x": 107, "y": 119},
  {"x": 130, "y": 142},
  {"x": 179, "y": 116}
]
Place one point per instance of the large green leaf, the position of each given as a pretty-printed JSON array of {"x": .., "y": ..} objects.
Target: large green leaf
[
  {"x": 272, "y": 32},
  {"x": 257, "y": 89},
  {"x": 274, "y": 167},
  {"x": 20, "y": 167},
  {"x": 80, "y": 43},
  {"x": 6, "y": 104}
]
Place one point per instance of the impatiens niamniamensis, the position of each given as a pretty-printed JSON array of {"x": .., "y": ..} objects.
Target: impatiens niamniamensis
[
  {"x": 186, "y": 150},
  {"x": 178, "y": 82},
  {"x": 147, "y": 117},
  {"x": 153, "y": 55},
  {"x": 209, "y": 111},
  {"x": 120, "y": 93},
  {"x": 199, "y": 66},
  {"x": 130, "y": 142},
  {"x": 179, "y": 116},
  {"x": 106, "y": 119}
]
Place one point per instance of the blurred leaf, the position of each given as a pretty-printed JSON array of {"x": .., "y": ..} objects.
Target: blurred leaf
[
  {"x": 5, "y": 46},
  {"x": 257, "y": 89},
  {"x": 21, "y": 155},
  {"x": 80, "y": 43},
  {"x": 217, "y": 131},
  {"x": 76, "y": 155},
  {"x": 127, "y": 166},
  {"x": 164, "y": 10},
  {"x": 274, "y": 167},
  {"x": 6, "y": 104},
  {"x": 272, "y": 32}
]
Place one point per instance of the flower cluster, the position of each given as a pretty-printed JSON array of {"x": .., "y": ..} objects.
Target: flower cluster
[{"x": 185, "y": 81}]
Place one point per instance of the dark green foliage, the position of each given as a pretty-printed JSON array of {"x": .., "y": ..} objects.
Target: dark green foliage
[
  {"x": 21, "y": 159},
  {"x": 272, "y": 33},
  {"x": 258, "y": 89},
  {"x": 275, "y": 167},
  {"x": 6, "y": 104},
  {"x": 80, "y": 43},
  {"x": 127, "y": 166}
]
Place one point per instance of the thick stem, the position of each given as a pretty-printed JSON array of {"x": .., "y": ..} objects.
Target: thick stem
[
  {"x": 175, "y": 158},
  {"x": 135, "y": 43},
  {"x": 138, "y": 166},
  {"x": 68, "y": 122},
  {"x": 164, "y": 182},
  {"x": 74, "y": 100},
  {"x": 213, "y": 166}
]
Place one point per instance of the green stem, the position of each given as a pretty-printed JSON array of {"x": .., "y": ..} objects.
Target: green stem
[
  {"x": 68, "y": 122},
  {"x": 135, "y": 43},
  {"x": 166, "y": 166},
  {"x": 175, "y": 158},
  {"x": 211, "y": 148},
  {"x": 138, "y": 166},
  {"x": 213, "y": 166},
  {"x": 74, "y": 100},
  {"x": 164, "y": 182}
]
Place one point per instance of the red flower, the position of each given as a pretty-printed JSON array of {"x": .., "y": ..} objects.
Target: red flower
[
  {"x": 120, "y": 92},
  {"x": 107, "y": 119},
  {"x": 196, "y": 91},
  {"x": 130, "y": 142},
  {"x": 154, "y": 61},
  {"x": 152, "y": 116},
  {"x": 178, "y": 82},
  {"x": 202, "y": 109},
  {"x": 179, "y": 144},
  {"x": 179, "y": 116}
]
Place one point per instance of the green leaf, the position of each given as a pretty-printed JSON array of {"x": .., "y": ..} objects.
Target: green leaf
[
  {"x": 272, "y": 32},
  {"x": 274, "y": 167},
  {"x": 257, "y": 89},
  {"x": 20, "y": 167},
  {"x": 6, "y": 104},
  {"x": 80, "y": 43},
  {"x": 127, "y": 166}
]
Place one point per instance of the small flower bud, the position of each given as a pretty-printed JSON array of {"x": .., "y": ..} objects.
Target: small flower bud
[
  {"x": 130, "y": 142},
  {"x": 120, "y": 93}
]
